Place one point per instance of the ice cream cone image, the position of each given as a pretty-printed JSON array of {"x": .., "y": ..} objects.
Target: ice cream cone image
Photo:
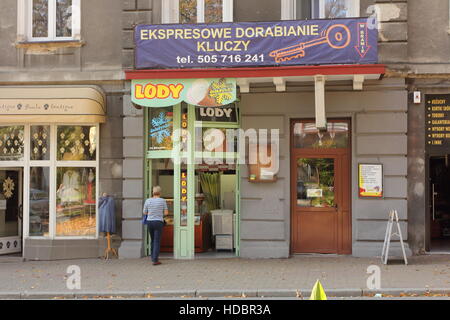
[{"x": 198, "y": 94}]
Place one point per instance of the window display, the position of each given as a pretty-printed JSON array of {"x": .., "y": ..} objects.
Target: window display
[
  {"x": 160, "y": 129},
  {"x": 76, "y": 202},
  {"x": 11, "y": 143},
  {"x": 40, "y": 143},
  {"x": 77, "y": 143},
  {"x": 39, "y": 201}
]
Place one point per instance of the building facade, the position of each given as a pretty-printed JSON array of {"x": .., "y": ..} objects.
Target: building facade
[
  {"x": 65, "y": 72},
  {"x": 61, "y": 96},
  {"x": 372, "y": 109}
]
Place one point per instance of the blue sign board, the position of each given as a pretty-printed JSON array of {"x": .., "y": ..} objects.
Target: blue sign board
[{"x": 250, "y": 44}]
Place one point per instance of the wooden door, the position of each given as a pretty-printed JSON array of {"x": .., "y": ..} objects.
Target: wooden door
[{"x": 320, "y": 188}]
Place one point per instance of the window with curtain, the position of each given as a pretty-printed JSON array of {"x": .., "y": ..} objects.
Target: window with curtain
[
  {"x": 323, "y": 9},
  {"x": 51, "y": 20},
  {"x": 197, "y": 11}
]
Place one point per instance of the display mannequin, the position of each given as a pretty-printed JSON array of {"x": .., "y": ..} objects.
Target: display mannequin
[
  {"x": 90, "y": 188},
  {"x": 106, "y": 207}
]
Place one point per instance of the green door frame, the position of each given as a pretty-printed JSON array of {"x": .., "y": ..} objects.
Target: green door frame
[{"x": 184, "y": 242}]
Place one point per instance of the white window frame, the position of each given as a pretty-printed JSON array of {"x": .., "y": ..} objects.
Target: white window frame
[
  {"x": 171, "y": 13},
  {"x": 53, "y": 164},
  {"x": 25, "y": 22},
  {"x": 289, "y": 9}
]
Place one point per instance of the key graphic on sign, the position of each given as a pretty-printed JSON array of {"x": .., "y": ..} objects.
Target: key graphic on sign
[{"x": 337, "y": 37}]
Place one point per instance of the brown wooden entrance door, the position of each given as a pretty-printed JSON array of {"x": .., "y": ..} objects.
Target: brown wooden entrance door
[{"x": 320, "y": 188}]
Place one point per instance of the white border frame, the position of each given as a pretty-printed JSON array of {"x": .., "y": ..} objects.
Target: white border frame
[
  {"x": 170, "y": 11},
  {"x": 289, "y": 8},
  {"x": 25, "y": 24},
  {"x": 52, "y": 164}
]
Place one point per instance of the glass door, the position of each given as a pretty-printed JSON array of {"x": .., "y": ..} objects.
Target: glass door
[
  {"x": 11, "y": 210},
  {"x": 316, "y": 204}
]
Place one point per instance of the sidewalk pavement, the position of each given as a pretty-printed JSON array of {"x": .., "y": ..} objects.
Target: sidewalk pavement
[{"x": 231, "y": 277}]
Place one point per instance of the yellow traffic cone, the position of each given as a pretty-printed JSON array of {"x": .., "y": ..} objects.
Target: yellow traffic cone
[{"x": 317, "y": 292}]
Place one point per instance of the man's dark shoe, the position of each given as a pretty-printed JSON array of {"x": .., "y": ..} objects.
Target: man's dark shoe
[{"x": 156, "y": 263}]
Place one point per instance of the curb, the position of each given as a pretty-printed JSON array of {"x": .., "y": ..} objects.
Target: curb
[{"x": 232, "y": 294}]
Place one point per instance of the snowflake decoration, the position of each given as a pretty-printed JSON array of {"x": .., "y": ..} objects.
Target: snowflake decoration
[
  {"x": 8, "y": 188},
  {"x": 221, "y": 91},
  {"x": 160, "y": 128}
]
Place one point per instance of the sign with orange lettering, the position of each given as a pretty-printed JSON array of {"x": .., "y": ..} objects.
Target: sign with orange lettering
[
  {"x": 169, "y": 92},
  {"x": 183, "y": 198}
]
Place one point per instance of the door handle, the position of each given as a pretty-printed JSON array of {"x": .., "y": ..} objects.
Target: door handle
[{"x": 20, "y": 212}]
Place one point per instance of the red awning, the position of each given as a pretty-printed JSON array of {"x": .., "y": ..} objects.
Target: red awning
[{"x": 262, "y": 72}]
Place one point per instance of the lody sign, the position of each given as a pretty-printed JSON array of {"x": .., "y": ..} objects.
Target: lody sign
[{"x": 168, "y": 92}]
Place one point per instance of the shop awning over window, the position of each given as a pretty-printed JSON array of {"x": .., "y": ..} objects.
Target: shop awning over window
[{"x": 47, "y": 104}]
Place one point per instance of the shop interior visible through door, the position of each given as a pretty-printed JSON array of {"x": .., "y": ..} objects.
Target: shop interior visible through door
[{"x": 440, "y": 204}]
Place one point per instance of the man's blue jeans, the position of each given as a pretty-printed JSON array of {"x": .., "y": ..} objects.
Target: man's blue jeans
[{"x": 155, "y": 229}]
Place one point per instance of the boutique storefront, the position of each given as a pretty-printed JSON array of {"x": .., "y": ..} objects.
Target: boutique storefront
[
  {"x": 49, "y": 164},
  {"x": 324, "y": 121}
]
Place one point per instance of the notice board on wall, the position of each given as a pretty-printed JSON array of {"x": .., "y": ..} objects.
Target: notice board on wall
[
  {"x": 437, "y": 122},
  {"x": 370, "y": 181}
]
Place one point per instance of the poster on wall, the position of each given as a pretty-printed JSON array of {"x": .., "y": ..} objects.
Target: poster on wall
[
  {"x": 370, "y": 178},
  {"x": 256, "y": 44}
]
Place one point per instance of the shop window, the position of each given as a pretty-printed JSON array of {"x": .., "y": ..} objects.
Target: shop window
[
  {"x": 197, "y": 11},
  {"x": 49, "y": 20},
  {"x": 40, "y": 143},
  {"x": 76, "y": 143},
  {"x": 307, "y": 136},
  {"x": 76, "y": 202},
  {"x": 160, "y": 129},
  {"x": 11, "y": 143},
  {"x": 319, "y": 9},
  {"x": 39, "y": 201},
  {"x": 216, "y": 139}
]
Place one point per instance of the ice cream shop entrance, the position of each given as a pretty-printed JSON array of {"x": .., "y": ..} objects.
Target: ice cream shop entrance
[{"x": 192, "y": 155}]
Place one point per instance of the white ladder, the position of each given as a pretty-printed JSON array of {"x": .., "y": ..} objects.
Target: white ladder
[{"x": 393, "y": 215}]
